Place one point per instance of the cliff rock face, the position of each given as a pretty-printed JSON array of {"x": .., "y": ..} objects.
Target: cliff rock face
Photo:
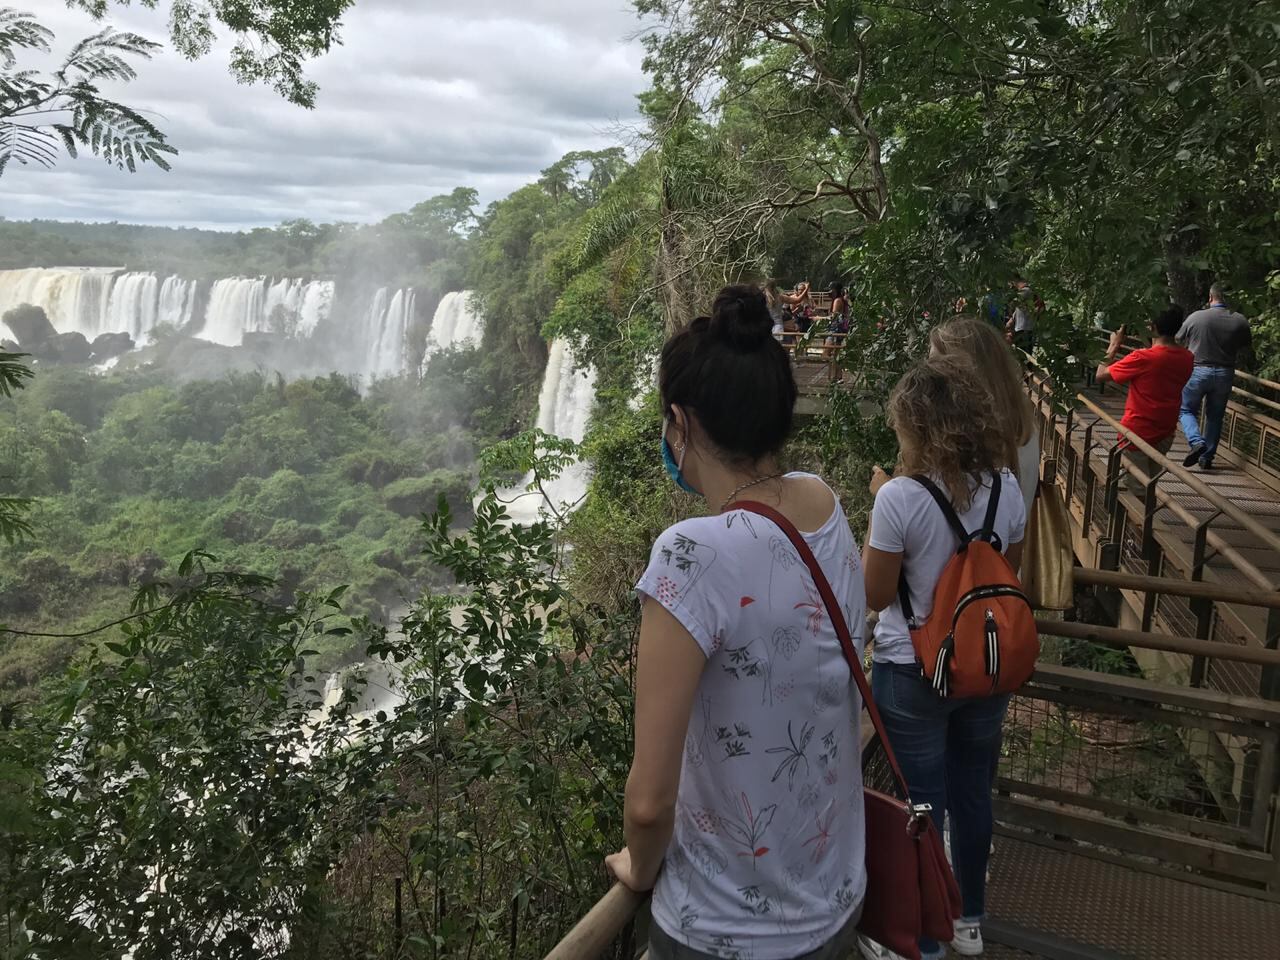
[
  {"x": 66, "y": 348},
  {"x": 108, "y": 345},
  {"x": 30, "y": 325}
]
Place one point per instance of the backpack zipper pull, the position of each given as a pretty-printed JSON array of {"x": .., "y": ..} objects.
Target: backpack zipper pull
[{"x": 993, "y": 644}]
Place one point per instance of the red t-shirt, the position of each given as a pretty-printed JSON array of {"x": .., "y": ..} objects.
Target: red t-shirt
[{"x": 1156, "y": 376}]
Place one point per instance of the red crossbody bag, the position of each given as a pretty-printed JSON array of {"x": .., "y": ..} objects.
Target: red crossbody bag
[{"x": 911, "y": 891}]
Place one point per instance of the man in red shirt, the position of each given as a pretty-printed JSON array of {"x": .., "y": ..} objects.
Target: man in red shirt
[{"x": 1156, "y": 376}]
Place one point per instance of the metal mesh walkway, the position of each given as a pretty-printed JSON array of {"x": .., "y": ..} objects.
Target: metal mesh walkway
[{"x": 1124, "y": 911}]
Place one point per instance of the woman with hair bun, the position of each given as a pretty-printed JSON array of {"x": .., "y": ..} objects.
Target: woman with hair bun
[{"x": 744, "y": 808}]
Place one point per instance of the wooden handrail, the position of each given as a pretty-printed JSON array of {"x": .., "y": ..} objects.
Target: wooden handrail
[
  {"x": 1195, "y": 589},
  {"x": 1195, "y": 483},
  {"x": 1116, "y": 637},
  {"x": 1269, "y": 384},
  {"x": 1134, "y": 343},
  {"x": 592, "y": 935}
]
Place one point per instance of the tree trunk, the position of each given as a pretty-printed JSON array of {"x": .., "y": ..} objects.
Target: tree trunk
[{"x": 1182, "y": 247}]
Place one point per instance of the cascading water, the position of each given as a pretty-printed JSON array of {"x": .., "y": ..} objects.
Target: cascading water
[
  {"x": 564, "y": 410},
  {"x": 94, "y": 300},
  {"x": 456, "y": 324},
  {"x": 382, "y": 345},
  {"x": 240, "y": 305}
]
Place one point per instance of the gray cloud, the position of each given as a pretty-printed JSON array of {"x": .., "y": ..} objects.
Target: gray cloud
[{"x": 419, "y": 98}]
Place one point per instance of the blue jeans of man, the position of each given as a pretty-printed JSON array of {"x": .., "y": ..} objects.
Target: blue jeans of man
[
  {"x": 1212, "y": 386},
  {"x": 948, "y": 750}
]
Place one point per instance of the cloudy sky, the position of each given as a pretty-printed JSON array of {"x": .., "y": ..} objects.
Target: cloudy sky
[{"x": 423, "y": 96}]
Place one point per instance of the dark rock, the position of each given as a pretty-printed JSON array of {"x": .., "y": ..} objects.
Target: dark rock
[
  {"x": 262, "y": 340},
  {"x": 144, "y": 567},
  {"x": 30, "y": 324},
  {"x": 68, "y": 348},
  {"x": 108, "y": 345}
]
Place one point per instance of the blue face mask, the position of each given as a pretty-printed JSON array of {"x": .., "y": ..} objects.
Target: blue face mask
[{"x": 673, "y": 468}]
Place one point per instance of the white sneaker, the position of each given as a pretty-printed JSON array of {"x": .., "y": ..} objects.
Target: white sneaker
[
  {"x": 874, "y": 951},
  {"x": 968, "y": 939}
]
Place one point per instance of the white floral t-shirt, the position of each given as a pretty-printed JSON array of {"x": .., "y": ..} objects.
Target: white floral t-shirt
[{"x": 766, "y": 861}]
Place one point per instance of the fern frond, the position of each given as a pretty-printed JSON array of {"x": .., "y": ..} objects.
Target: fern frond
[{"x": 19, "y": 31}]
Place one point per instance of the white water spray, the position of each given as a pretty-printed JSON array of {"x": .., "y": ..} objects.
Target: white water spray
[{"x": 564, "y": 410}]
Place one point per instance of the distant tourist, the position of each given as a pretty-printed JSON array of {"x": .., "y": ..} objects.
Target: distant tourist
[
  {"x": 948, "y": 432},
  {"x": 779, "y": 301},
  {"x": 744, "y": 804},
  {"x": 1022, "y": 320},
  {"x": 979, "y": 344},
  {"x": 1215, "y": 336},
  {"x": 1156, "y": 376},
  {"x": 839, "y": 324}
]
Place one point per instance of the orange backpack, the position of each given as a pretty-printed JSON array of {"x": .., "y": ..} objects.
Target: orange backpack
[{"x": 981, "y": 638}]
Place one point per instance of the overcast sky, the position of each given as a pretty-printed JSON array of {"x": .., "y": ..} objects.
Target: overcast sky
[{"x": 422, "y": 96}]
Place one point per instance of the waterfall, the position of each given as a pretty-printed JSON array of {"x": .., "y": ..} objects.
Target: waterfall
[
  {"x": 132, "y": 304},
  {"x": 564, "y": 410},
  {"x": 240, "y": 305},
  {"x": 94, "y": 300},
  {"x": 177, "y": 301},
  {"x": 381, "y": 349},
  {"x": 456, "y": 324}
]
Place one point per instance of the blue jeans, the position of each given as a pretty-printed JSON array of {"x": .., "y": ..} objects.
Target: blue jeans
[
  {"x": 948, "y": 750},
  {"x": 1213, "y": 386}
]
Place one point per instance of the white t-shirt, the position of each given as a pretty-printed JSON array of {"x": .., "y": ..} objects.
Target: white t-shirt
[
  {"x": 907, "y": 520},
  {"x": 766, "y": 859}
]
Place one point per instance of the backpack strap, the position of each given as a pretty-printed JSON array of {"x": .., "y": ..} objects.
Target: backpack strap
[
  {"x": 841, "y": 626},
  {"x": 993, "y": 503},
  {"x": 953, "y": 521}
]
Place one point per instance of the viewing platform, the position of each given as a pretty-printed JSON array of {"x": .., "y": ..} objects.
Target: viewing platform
[{"x": 1136, "y": 801}]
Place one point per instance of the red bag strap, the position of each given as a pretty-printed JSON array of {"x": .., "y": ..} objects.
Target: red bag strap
[{"x": 837, "y": 620}]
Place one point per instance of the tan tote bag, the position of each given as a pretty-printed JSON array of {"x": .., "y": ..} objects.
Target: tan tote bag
[{"x": 1047, "y": 558}]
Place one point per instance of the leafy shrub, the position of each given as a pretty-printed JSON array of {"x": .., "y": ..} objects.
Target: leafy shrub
[
  {"x": 414, "y": 496},
  {"x": 284, "y": 495}
]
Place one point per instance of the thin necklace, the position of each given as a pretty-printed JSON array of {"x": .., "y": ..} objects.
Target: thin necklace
[{"x": 750, "y": 483}]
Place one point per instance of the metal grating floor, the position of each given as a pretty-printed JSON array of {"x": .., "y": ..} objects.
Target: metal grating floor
[{"x": 1123, "y": 912}]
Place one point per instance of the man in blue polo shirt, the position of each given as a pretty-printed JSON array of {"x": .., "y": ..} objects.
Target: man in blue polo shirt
[{"x": 1215, "y": 336}]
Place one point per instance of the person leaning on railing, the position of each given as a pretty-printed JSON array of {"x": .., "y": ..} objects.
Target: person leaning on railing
[
  {"x": 1216, "y": 335},
  {"x": 1156, "y": 376},
  {"x": 744, "y": 804}
]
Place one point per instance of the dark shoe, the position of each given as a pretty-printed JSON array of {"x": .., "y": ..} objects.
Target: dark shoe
[
  {"x": 1192, "y": 458},
  {"x": 1206, "y": 463}
]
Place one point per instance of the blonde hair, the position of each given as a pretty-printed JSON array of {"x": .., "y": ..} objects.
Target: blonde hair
[
  {"x": 947, "y": 427},
  {"x": 972, "y": 341}
]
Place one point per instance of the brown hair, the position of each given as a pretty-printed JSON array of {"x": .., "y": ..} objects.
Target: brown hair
[
  {"x": 972, "y": 341},
  {"x": 947, "y": 427}
]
